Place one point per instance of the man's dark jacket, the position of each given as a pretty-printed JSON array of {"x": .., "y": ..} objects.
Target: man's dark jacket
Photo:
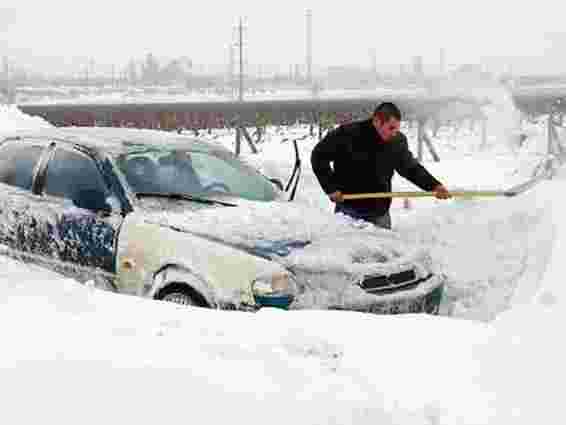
[{"x": 363, "y": 163}]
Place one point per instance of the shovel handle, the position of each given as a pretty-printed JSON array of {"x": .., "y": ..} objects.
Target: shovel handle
[{"x": 421, "y": 194}]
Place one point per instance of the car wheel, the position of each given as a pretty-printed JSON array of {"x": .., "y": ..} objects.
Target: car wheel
[
  {"x": 179, "y": 298},
  {"x": 181, "y": 294}
]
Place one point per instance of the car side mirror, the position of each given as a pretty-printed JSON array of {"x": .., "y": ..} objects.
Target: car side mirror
[{"x": 278, "y": 183}]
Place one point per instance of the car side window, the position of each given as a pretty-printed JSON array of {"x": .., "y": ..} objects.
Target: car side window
[
  {"x": 73, "y": 175},
  {"x": 17, "y": 163}
]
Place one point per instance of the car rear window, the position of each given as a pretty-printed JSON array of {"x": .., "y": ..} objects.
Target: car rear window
[{"x": 17, "y": 163}]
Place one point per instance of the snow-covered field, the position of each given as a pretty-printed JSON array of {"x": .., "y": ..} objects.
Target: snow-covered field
[
  {"x": 72, "y": 353},
  {"x": 149, "y": 94}
]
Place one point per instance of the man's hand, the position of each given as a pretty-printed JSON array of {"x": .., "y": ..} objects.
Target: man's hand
[
  {"x": 336, "y": 197},
  {"x": 440, "y": 192}
]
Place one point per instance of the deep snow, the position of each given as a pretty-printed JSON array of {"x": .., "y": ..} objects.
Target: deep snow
[{"x": 72, "y": 353}]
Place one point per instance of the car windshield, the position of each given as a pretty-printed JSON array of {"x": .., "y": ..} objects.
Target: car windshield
[{"x": 202, "y": 173}]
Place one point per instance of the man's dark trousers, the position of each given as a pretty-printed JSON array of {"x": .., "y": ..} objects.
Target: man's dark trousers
[{"x": 383, "y": 221}]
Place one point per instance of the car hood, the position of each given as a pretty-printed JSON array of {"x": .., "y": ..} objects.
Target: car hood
[{"x": 297, "y": 236}]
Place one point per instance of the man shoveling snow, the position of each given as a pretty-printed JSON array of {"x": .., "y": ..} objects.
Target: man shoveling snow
[{"x": 364, "y": 155}]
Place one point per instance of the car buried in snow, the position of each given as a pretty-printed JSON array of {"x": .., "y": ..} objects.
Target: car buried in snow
[{"x": 175, "y": 218}]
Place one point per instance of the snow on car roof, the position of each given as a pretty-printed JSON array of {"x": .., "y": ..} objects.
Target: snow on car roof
[{"x": 120, "y": 140}]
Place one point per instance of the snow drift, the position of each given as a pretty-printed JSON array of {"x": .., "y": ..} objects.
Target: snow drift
[{"x": 72, "y": 353}]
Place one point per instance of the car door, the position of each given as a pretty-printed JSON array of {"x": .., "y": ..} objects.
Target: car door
[
  {"x": 21, "y": 214},
  {"x": 88, "y": 216}
]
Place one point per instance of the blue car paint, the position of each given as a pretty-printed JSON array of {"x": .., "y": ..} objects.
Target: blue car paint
[
  {"x": 281, "y": 248},
  {"x": 282, "y": 301}
]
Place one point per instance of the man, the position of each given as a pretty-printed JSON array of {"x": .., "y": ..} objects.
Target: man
[{"x": 364, "y": 155}]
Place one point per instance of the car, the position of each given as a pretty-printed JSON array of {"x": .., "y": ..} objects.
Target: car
[{"x": 175, "y": 218}]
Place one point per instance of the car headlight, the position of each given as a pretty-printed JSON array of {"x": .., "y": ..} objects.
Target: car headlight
[{"x": 277, "y": 290}]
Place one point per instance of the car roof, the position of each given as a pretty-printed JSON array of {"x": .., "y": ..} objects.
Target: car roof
[{"x": 116, "y": 141}]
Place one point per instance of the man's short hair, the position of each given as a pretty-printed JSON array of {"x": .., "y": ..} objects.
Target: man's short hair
[{"x": 387, "y": 110}]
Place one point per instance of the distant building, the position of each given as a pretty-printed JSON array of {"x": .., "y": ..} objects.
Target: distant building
[
  {"x": 7, "y": 94},
  {"x": 472, "y": 71},
  {"x": 349, "y": 77}
]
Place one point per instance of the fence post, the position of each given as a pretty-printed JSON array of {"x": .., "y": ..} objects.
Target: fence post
[
  {"x": 420, "y": 132},
  {"x": 247, "y": 136},
  {"x": 238, "y": 141},
  {"x": 549, "y": 134},
  {"x": 483, "y": 133},
  {"x": 430, "y": 147}
]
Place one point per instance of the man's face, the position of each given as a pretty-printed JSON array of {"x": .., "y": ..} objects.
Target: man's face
[{"x": 387, "y": 129}]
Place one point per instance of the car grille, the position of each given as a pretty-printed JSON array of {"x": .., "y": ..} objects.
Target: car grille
[{"x": 383, "y": 284}]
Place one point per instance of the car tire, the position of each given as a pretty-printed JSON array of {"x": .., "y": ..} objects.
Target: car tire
[{"x": 182, "y": 294}]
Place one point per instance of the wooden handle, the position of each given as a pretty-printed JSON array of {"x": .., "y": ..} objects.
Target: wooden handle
[{"x": 420, "y": 194}]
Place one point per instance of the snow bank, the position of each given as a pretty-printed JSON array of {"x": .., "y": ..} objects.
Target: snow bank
[
  {"x": 486, "y": 248},
  {"x": 160, "y": 362},
  {"x": 550, "y": 291},
  {"x": 72, "y": 353},
  {"x": 12, "y": 119}
]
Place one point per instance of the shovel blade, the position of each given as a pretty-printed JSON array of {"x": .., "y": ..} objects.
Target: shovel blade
[{"x": 523, "y": 187}]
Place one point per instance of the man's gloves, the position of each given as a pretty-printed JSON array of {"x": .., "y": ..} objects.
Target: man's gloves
[
  {"x": 336, "y": 197},
  {"x": 440, "y": 192}
]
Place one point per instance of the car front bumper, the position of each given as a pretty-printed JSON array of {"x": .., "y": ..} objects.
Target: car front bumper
[{"x": 424, "y": 297}]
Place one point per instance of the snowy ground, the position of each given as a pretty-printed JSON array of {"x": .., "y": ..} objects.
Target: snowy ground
[
  {"x": 104, "y": 95},
  {"x": 72, "y": 353}
]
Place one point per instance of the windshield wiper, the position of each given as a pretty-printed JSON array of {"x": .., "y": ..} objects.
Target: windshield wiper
[{"x": 184, "y": 197}]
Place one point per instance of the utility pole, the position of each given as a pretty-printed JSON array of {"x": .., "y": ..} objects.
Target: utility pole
[
  {"x": 373, "y": 63},
  {"x": 89, "y": 70},
  {"x": 241, "y": 47},
  {"x": 241, "y": 129},
  {"x": 231, "y": 64},
  {"x": 7, "y": 83},
  {"x": 309, "y": 47},
  {"x": 91, "y": 66},
  {"x": 6, "y": 67}
]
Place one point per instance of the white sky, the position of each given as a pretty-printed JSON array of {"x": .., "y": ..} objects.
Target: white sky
[{"x": 60, "y": 32}]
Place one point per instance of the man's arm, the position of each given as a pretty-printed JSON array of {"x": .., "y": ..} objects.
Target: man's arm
[
  {"x": 411, "y": 169},
  {"x": 325, "y": 152}
]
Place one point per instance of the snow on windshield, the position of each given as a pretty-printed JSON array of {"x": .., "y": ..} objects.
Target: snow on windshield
[{"x": 162, "y": 170}]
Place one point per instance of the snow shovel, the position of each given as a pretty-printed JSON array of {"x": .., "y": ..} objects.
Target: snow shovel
[{"x": 513, "y": 191}]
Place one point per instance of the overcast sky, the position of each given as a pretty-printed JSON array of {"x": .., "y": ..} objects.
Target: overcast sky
[{"x": 64, "y": 33}]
